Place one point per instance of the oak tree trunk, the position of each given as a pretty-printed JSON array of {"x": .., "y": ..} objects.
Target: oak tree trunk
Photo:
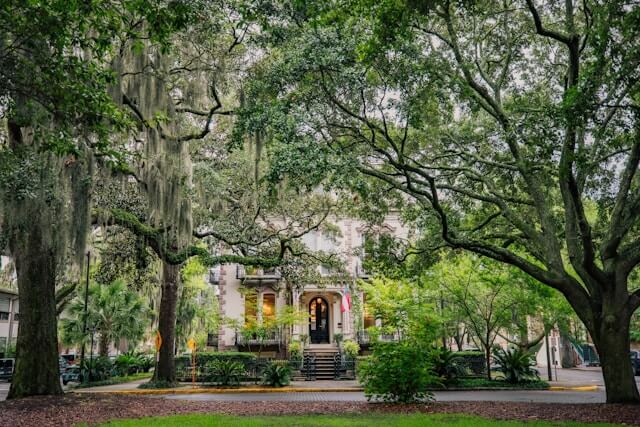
[
  {"x": 612, "y": 342},
  {"x": 36, "y": 371},
  {"x": 166, "y": 370}
]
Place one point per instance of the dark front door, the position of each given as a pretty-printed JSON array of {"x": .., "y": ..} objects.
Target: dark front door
[{"x": 319, "y": 321}]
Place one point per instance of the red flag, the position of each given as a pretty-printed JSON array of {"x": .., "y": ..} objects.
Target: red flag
[{"x": 345, "y": 303}]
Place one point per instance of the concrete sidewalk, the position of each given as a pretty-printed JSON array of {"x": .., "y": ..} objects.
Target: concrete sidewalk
[{"x": 187, "y": 388}]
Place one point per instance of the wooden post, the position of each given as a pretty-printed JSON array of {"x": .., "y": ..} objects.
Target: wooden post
[{"x": 192, "y": 345}]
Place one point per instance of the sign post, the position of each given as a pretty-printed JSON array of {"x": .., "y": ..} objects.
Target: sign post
[
  {"x": 192, "y": 345},
  {"x": 158, "y": 343}
]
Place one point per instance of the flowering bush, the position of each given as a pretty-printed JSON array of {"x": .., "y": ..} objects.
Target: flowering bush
[{"x": 351, "y": 349}]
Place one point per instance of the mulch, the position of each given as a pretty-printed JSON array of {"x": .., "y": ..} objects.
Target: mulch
[{"x": 72, "y": 409}]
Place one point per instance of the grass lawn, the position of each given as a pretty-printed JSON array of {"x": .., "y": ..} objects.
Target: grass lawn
[{"x": 409, "y": 420}]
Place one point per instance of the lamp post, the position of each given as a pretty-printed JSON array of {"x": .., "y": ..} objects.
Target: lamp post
[{"x": 93, "y": 331}]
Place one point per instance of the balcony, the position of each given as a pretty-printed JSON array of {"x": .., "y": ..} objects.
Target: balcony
[
  {"x": 214, "y": 275},
  {"x": 360, "y": 271},
  {"x": 258, "y": 276}
]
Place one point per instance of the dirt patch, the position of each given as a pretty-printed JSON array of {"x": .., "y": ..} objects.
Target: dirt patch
[{"x": 70, "y": 410}]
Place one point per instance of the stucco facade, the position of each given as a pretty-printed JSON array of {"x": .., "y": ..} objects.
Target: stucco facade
[
  {"x": 319, "y": 303},
  {"x": 9, "y": 319}
]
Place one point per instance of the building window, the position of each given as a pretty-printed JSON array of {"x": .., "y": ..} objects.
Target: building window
[
  {"x": 250, "y": 307},
  {"x": 268, "y": 306},
  {"x": 16, "y": 316},
  {"x": 212, "y": 340},
  {"x": 4, "y": 315},
  {"x": 369, "y": 319}
]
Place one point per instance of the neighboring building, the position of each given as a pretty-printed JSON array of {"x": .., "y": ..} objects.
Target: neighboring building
[
  {"x": 9, "y": 318},
  {"x": 322, "y": 301}
]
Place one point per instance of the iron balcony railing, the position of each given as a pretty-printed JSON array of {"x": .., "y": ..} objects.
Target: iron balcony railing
[
  {"x": 360, "y": 272},
  {"x": 214, "y": 275},
  {"x": 249, "y": 273}
]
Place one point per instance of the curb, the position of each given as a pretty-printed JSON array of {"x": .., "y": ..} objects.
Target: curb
[
  {"x": 222, "y": 391},
  {"x": 489, "y": 389},
  {"x": 574, "y": 388}
]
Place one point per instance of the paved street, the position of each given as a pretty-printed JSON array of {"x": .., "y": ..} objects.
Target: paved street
[{"x": 573, "y": 377}]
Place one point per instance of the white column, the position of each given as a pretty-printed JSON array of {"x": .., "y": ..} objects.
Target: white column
[{"x": 295, "y": 297}]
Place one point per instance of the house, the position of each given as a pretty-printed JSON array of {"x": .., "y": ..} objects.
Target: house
[
  {"x": 246, "y": 292},
  {"x": 9, "y": 318}
]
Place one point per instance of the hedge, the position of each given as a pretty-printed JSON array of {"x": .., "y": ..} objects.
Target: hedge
[
  {"x": 203, "y": 358},
  {"x": 473, "y": 361}
]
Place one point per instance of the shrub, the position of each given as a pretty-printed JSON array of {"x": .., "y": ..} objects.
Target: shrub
[
  {"x": 226, "y": 372},
  {"x": 295, "y": 350},
  {"x": 145, "y": 362},
  {"x": 100, "y": 368},
  {"x": 396, "y": 372},
  {"x": 338, "y": 338},
  {"x": 351, "y": 349},
  {"x": 277, "y": 374},
  {"x": 446, "y": 363},
  {"x": 516, "y": 364},
  {"x": 127, "y": 364},
  {"x": 206, "y": 358}
]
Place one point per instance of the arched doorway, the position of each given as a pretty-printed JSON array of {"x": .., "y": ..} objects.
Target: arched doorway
[{"x": 319, "y": 321}]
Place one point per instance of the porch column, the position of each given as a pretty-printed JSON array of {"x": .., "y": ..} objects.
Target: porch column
[{"x": 295, "y": 296}]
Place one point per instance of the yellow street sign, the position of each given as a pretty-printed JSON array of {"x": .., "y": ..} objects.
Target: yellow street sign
[
  {"x": 158, "y": 341},
  {"x": 191, "y": 344}
]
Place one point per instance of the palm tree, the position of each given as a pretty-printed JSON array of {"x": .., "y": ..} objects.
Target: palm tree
[{"x": 114, "y": 310}]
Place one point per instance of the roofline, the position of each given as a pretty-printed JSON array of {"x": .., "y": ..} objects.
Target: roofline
[{"x": 8, "y": 291}]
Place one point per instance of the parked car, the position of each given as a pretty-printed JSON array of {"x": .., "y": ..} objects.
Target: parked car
[
  {"x": 6, "y": 368},
  {"x": 72, "y": 374},
  {"x": 635, "y": 361},
  {"x": 70, "y": 358}
]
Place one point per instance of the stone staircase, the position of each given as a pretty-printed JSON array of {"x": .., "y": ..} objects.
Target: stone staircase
[{"x": 325, "y": 369}]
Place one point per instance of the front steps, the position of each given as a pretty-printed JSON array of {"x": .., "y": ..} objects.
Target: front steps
[{"x": 324, "y": 363}]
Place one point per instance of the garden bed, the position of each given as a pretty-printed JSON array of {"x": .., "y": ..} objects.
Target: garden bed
[{"x": 70, "y": 410}]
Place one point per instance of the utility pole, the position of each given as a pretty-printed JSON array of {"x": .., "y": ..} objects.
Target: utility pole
[{"x": 84, "y": 322}]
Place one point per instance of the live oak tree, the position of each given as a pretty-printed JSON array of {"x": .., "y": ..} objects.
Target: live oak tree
[
  {"x": 59, "y": 118},
  {"x": 503, "y": 120},
  {"x": 177, "y": 100}
]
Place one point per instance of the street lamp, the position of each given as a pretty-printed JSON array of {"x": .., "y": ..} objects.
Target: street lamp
[{"x": 93, "y": 332}]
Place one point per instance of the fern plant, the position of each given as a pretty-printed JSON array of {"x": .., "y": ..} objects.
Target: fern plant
[
  {"x": 226, "y": 372},
  {"x": 277, "y": 374},
  {"x": 516, "y": 364}
]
